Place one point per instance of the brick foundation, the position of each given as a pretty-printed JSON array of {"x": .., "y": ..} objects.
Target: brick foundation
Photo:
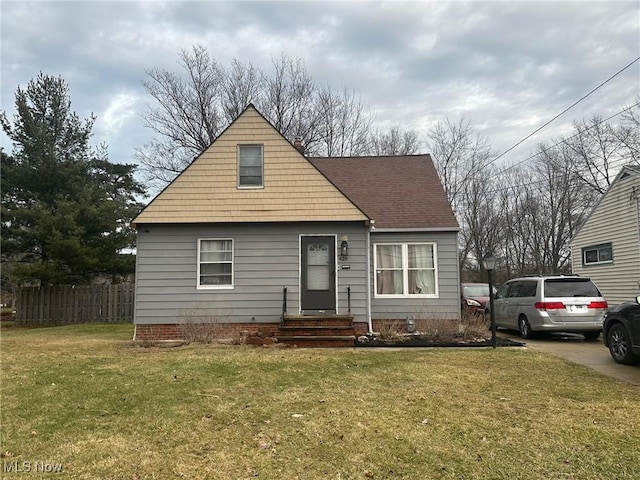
[{"x": 224, "y": 331}]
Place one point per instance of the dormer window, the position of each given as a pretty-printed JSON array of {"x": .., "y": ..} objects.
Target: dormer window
[{"x": 250, "y": 166}]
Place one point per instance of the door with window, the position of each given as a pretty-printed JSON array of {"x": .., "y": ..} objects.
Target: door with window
[{"x": 318, "y": 274}]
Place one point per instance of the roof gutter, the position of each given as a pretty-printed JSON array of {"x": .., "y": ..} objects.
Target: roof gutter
[{"x": 416, "y": 230}]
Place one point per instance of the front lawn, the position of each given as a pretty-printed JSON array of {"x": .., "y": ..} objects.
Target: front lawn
[{"x": 85, "y": 399}]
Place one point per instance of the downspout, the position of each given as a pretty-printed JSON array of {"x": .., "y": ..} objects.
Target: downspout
[
  {"x": 636, "y": 195},
  {"x": 368, "y": 248}
]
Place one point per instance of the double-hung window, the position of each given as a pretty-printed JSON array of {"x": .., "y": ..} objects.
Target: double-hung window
[
  {"x": 405, "y": 270},
  {"x": 597, "y": 254},
  {"x": 215, "y": 263},
  {"x": 250, "y": 166}
]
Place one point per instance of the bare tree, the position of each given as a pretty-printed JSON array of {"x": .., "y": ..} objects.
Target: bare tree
[
  {"x": 187, "y": 114},
  {"x": 190, "y": 108},
  {"x": 343, "y": 124},
  {"x": 288, "y": 97},
  {"x": 242, "y": 86},
  {"x": 394, "y": 142},
  {"x": 458, "y": 153},
  {"x": 544, "y": 212},
  {"x": 596, "y": 152},
  {"x": 630, "y": 131},
  {"x": 482, "y": 220}
]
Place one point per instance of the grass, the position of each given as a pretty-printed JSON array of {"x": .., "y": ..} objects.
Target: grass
[{"x": 87, "y": 399}]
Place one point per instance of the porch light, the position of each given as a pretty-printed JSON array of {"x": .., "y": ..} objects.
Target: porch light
[
  {"x": 344, "y": 250},
  {"x": 489, "y": 264}
]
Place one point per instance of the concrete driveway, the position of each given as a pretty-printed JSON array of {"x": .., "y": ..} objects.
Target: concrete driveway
[{"x": 574, "y": 348}]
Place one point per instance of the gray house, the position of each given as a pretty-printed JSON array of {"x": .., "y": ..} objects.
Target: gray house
[
  {"x": 607, "y": 247},
  {"x": 255, "y": 235}
]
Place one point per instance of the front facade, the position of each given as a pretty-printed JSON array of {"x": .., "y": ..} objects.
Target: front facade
[
  {"x": 607, "y": 247},
  {"x": 252, "y": 231}
]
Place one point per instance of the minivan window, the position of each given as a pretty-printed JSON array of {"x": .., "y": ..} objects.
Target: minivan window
[
  {"x": 502, "y": 291},
  {"x": 570, "y": 287},
  {"x": 528, "y": 288}
]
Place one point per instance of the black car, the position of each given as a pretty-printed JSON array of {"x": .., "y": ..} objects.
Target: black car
[{"x": 621, "y": 330}]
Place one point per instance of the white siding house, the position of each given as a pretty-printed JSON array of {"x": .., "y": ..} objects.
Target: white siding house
[{"x": 607, "y": 247}]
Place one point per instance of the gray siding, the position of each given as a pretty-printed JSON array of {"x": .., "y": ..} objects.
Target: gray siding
[
  {"x": 615, "y": 220},
  {"x": 266, "y": 259},
  {"x": 447, "y": 305}
]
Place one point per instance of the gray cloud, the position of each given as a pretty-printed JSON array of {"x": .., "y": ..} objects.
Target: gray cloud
[{"x": 506, "y": 66}]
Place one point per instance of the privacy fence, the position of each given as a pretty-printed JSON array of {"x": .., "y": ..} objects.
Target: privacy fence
[{"x": 67, "y": 304}]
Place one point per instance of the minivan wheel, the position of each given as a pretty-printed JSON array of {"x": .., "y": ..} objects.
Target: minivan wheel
[
  {"x": 524, "y": 327},
  {"x": 620, "y": 345}
]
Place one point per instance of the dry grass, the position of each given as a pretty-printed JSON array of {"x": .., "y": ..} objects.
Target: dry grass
[{"x": 84, "y": 397}]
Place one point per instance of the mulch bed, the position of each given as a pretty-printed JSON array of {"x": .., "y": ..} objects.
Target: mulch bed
[{"x": 423, "y": 342}]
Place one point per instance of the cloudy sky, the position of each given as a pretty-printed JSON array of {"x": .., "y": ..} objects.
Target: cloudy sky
[{"x": 508, "y": 67}]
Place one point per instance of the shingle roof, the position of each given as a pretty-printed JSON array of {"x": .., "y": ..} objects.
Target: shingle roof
[{"x": 395, "y": 191}]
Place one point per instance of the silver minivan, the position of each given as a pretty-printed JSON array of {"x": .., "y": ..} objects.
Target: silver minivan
[{"x": 550, "y": 304}]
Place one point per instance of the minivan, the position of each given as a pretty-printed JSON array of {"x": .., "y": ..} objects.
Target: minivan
[{"x": 560, "y": 303}]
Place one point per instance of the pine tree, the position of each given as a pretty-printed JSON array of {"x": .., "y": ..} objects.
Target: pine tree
[{"x": 65, "y": 207}]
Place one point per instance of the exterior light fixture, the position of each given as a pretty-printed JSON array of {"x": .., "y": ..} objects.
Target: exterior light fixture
[{"x": 344, "y": 250}]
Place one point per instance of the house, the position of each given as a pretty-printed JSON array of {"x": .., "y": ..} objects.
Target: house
[
  {"x": 253, "y": 234},
  {"x": 607, "y": 247}
]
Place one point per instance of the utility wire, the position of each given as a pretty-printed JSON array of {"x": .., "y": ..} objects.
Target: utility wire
[
  {"x": 613, "y": 164},
  {"x": 563, "y": 112},
  {"x": 564, "y": 140}
]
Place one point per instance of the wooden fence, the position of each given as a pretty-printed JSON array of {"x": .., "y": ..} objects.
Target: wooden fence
[{"x": 68, "y": 304}]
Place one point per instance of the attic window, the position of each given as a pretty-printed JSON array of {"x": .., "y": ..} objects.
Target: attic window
[{"x": 250, "y": 166}]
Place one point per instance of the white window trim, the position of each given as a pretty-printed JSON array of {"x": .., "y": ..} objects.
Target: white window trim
[
  {"x": 405, "y": 271},
  {"x": 233, "y": 264},
  {"x": 249, "y": 187}
]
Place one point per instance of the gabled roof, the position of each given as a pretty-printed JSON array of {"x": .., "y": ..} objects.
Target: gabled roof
[
  {"x": 206, "y": 191},
  {"x": 624, "y": 172},
  {"x": 398, "y": 192}
]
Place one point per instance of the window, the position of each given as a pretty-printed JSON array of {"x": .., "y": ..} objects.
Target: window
[
  {"x": 405, "y": 269},
  {"x": 215, "y": 263},
  {"x": 524, "y": 288},
  {"x": 250, "y": 166},
  {"x": 597, "y": 254}
]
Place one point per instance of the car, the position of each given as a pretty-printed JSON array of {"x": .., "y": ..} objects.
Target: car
[
  {"x": 558, "y": 303},
  {"x": 621, "y": 332},
  {"x": 474, "y": 297}
]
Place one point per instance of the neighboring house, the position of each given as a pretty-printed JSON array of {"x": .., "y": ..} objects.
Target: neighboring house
[
  {"x": 253, "y": 231},
  {"x": 607, "y": 247}
]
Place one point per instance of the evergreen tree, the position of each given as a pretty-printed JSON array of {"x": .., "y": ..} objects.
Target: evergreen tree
[{"x": 65, "y": 207}]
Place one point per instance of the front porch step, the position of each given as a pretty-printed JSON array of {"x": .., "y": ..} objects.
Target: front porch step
[
  {"x": 314, "y": 320},
  {"x": 327, "y": 330},
  {"x": 318, "y": 341},
  {"x": 314, "y": 330}
]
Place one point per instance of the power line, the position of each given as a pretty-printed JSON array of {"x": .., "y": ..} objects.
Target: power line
[
  {"x": 564, "y": 140},
  {"x": 613, "y": 164},
  {"x": 563, "y": 112}
]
